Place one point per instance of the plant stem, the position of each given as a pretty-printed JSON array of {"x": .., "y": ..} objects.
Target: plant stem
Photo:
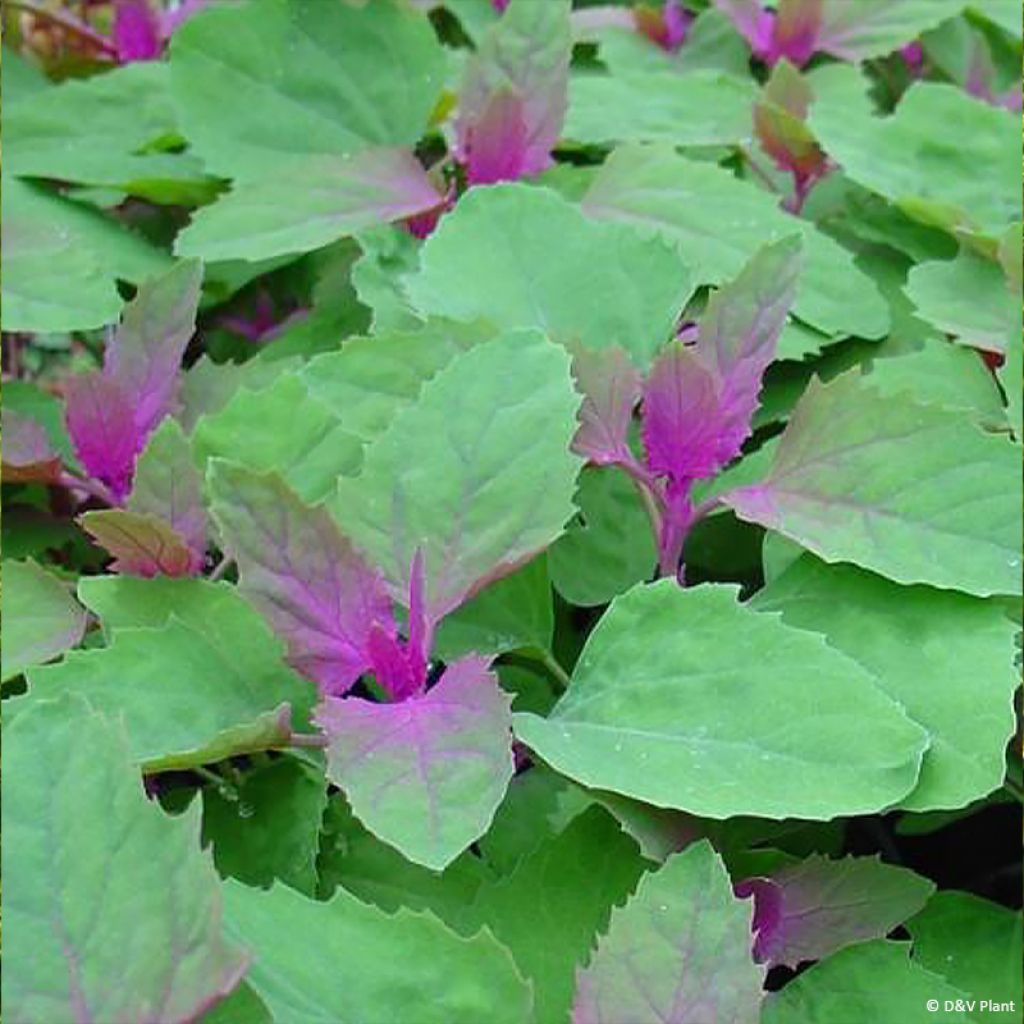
[
  {"x": 67, "y": 22},
  {"x": 211, "y": 777},
  {"x": 1012, "y": 786},
  {"x": 556, "y": 671},
  {"x": 306, "y": 739}
]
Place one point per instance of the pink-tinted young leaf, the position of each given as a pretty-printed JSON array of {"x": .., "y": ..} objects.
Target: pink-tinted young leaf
[
  {"x": 137, "y": 32},
  {"x": 495, "y": 143},
  {"x": 796, "y": 30},
  {"x": 427, "y": 774},
  {"x": 142, "y": 545},
  {"x": 667, "y": 28},
  {"x": 681, "y": 425},
  {"x": 810, "y": 910},
  {"x": 779, "y": 121},
  {"x": 753, "y": 22},
  {"x": 28, "y": 455},
  {"x": 611, "y": 388},
  {"x": 302, "y": 574},
  {"x": 145, "y": 355},
  {"x": 169, "y": 487},
  {"x": 101, "y": 423},
  {"x": 677, "y": 953},
  {"x": 681, "y": 416},
  {"x": 514, "y": 93},
  {"x": 111, "y": 414},
  {"x": 738, "y": 334}
]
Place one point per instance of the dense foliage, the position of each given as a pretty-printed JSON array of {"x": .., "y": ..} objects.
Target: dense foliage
[{"x": 512, "y": 511}]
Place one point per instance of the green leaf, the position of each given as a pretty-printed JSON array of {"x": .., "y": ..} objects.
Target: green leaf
[
  {"x": 874, "y": 28},
  {"x": 524, "y": 820},
  {"x": 700, "y": 108},
  {"x": 269, "y": 828},
  {"x": 289, "y": 79},
  {"x": 912, "y": 492},
  {"x": 88, "y": 862},
  {"x": 339, "y": 196},
  {"x": 512, "y": 613},
  {"x": 261, "y": 431},
  {"x": 521, "y": 256},
  {"x": 174, "y": 639},
  {"x": 61, "y": 261},
  {"x": 679, "y": 951},
  {"x": 369, "y": 379},
  {"x": 967, "y": 297},
  {"x": 350, "y": 857},
  {"x": 976, "y": 946},
  {"x": 942, "y": 157},
  {"x": 609, "y": 547},
  {"x": 872, "y": 981},
  {"x": 719, "y": 221},
  {"x": 347, "y": 963},
  {"x": 548, "y": 909},
  {"x": 426, "y": 774},
  {"x": 389, "y": 253},
  {"x": 477, "y": 474},
  {"x": 30, "y": 401},
  {"x": 687, "y": 699},
  {"x": 167, "y": 483},
  {"x": 243, "y": 1006},
  {"x": 21, "y": 77},
  {"x": 920, "y": 645},
  {"x": 50, "y": 283},
  {"x": 41, "y": 618},
  {"x": 106, "y": 130},
  {"x": 939, "y": 373}
]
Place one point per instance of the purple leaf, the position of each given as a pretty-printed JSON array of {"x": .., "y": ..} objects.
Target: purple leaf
[
  {"x": 515, "y": 92},
  {"x": 27, "y": 453},
  {"x": 810, "y": 910},
  {"x": 427, "y": 774},
  {"x": 681, "y": 413},
  {"x": 611, "y": 388},
  {"x": 698, "y": 401},
  {"x": 795, "y": 34},
  {"x": 753, "y": 22},
  {"x": 110, "y": 414},
  {"x": 494, "y": 145},
  {"x": 137, "y": 31},
  {"x": 102, "y": 427},
  {"x": 142, "y": 545},
  {"x": 738, "y": 334},
  {"x": 677, "y": 953},
  {"x": 145, "y": 355},
  {"x": 304, "y": 576}
]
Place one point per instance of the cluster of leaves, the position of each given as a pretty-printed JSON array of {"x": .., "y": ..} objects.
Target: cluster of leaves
[{"x": 494, "y": 494}]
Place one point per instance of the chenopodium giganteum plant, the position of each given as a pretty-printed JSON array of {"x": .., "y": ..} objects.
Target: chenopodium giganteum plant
[{"x": 546, "y": 563}]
